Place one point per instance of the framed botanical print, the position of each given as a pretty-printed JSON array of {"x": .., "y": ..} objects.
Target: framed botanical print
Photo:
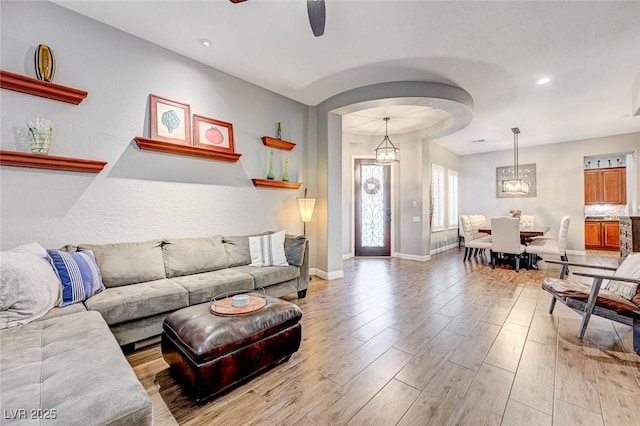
[
  {"x": 170, "y": 120},
  {"x": 213, "y": 134}
]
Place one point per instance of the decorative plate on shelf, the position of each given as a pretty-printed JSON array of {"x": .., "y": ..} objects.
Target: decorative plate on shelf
[{"x": 45, "y": 63}]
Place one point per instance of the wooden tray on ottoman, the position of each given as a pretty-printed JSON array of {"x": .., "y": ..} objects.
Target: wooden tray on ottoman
[{"x": 211, "y": 353}]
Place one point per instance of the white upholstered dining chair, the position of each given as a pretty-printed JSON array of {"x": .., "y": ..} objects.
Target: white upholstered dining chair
[
  {"x": 506, "y": 240},
  {"x": 551, "y": 247},
  {"x": 472, "y": 242},
  {"x": 527, "y": 220}
]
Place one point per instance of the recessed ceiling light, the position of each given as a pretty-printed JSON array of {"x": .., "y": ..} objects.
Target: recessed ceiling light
[
  {"x": 205, "y": 42},
  {"x": 543, "y": 81}
]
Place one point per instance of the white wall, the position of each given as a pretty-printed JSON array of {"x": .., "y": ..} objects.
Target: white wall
[
  {"x": 139, "y": 195},
  {"x": 560, "y": 180}
]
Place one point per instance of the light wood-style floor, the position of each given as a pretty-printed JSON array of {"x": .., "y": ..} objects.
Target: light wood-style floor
[{"x": 428, "y": 343}]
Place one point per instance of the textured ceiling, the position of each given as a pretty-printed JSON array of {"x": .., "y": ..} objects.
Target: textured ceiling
[{"x": 496, "y": 51}]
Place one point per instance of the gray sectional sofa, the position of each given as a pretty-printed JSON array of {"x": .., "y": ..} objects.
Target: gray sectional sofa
[
  {"x": 67, "y": 367},
  {"x": 147, "y": 280}
]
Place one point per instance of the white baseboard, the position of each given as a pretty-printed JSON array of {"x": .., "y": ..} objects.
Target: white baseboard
[
  {"x": 347, "y": 256},
  {"x": 445, "y": 248},
  {"x": 577, "y": 252},
  {"x": 415, "y": 257},
  {"x": 333, "y": 275}
]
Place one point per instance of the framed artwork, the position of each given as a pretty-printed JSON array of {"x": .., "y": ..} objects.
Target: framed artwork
[
  {"x": 526, "y": 172},
  {"x": 170, "y": 120},
  {"x": 212, "y": 134}
]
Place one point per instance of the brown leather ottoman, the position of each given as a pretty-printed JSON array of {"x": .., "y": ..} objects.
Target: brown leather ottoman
[{"x": 211, "y": 353}]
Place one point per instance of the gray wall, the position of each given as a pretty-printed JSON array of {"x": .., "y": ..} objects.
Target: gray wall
[
  {"x": 139, "y": 195},
  {"x": 450, "y": 161},
  {"x": 560, "y": 180}
]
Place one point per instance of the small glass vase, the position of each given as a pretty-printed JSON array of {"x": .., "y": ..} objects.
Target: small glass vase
[
  {"x": 279, "y": 131},
  {"x": 270, "y": 175},
  {"x": 285, "y": 173},
  {"x": 40, "y": 134}
]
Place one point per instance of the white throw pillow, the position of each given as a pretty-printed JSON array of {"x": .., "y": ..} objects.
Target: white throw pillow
[
  {"x": 268, "y": 250},
  {"x": 630, "y": 268},
  {"x": 29, "y": 287}
]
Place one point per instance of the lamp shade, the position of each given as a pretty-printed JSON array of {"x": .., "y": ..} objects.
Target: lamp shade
[{"x": 306, "y": 206}]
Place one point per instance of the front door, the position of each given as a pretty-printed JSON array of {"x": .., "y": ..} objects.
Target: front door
[{"x": 372, "y": 209}]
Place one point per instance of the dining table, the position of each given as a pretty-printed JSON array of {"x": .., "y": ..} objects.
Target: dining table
[{"x": 525, "y": 231}]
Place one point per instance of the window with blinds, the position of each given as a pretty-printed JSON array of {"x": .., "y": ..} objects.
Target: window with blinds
[
  {"x": 437, "y": 198},
  {"x": 453, "y": 198}
]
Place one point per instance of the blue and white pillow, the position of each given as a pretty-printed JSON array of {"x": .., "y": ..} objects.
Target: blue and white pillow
[{"x": 78, "y": 273}]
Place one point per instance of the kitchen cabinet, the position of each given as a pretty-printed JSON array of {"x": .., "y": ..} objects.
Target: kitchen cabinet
[
  {"x": 602, "y": 235},
  {"x": 605, "y": 186}
]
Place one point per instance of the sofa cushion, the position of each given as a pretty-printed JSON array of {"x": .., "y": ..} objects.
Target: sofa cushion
[
  {"x": 268, "y": 250},
  {"x": 71, "y": 364},
  {"x": 120, "y": 304},
  {"x": 294, "y": 247},
  {"x": 237, "y": 249},
  {"x": 78, "y": 273},
  {"x": 128, "y": 263},
  {"x": 185, "y": 256},
  {"x": 270, "y": 275},
  {"x": 29, "y": 287},
  {"x": 203, "y": 287},
  {"x": 58, "y": 311}
]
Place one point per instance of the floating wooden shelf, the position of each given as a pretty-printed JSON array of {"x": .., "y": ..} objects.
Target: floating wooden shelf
[
  {"x": 278, "y": 143},
  {"x": 267, "y": 183},
  {"x": 44, "y": 89},
  {"x": 171, "y": 148},
  {"x": 50, "y": 162}
]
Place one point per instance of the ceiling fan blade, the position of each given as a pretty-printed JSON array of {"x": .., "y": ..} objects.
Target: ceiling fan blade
[{"x": 317, "y": 16}]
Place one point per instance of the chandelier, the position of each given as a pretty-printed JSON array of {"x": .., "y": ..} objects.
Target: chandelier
[
  {"x": 515, "y": 185},
  {"x": 386, "y": 152}
]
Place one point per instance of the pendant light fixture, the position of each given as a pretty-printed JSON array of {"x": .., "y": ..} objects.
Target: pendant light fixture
[
  {"x": 386, "y": 152},
  {"x": 516, "y": 185}
]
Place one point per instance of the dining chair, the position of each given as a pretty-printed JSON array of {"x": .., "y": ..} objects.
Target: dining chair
[
  {"x": 472, "y": 244},
  {"x": 617, "y": 300},
  {"x": 478, "y": 221},
  {"x": 548, "y": 246},
  {"x": 506, "y": 240},
  {"x": 527, "y": 220}
]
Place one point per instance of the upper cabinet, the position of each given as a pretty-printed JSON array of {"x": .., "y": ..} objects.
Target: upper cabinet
[{"x": 605, "y": 186}]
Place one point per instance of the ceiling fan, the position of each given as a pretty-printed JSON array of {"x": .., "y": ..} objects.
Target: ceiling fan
[{"x": 317, "y": 15}]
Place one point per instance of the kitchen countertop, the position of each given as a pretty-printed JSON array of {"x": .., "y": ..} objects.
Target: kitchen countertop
[{"x": 601, "y": 219}]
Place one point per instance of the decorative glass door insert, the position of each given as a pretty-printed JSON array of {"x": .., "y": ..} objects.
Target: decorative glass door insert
[{"x": 373, "y": 213}]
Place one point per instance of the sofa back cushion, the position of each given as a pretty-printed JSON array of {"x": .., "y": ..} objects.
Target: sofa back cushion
[
  {"x": 186, "y": 256},
  {"x": 128, "y": 263},
  {"x": 237, "y": 249}
]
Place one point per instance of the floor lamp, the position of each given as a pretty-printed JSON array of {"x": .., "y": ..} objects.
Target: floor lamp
[{"x": 306, "y": 206}]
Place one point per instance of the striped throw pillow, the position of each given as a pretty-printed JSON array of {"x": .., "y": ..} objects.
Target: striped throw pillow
[
  {"x": 268, "y": 250},
  {"x": 78, "y": 273}
]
